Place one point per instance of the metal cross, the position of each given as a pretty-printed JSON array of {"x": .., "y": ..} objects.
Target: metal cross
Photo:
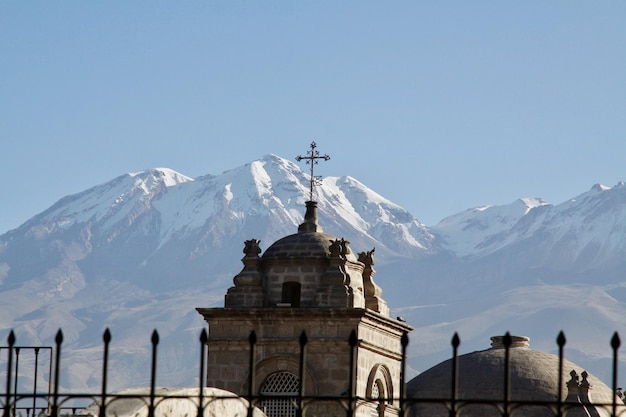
[{"x": 311, "y": 159}]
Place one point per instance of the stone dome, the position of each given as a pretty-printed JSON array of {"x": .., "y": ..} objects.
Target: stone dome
[
  {"x": 303, "y": 245},
  {"x": 309, "y": 269},
  {"x": 309, "y": 242},
  {"x": 533, "y": 377},
  {"x": 134, "y": 402}
]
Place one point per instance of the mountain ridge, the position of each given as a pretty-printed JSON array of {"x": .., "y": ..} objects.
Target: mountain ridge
[{"x": 144, "y": 249}]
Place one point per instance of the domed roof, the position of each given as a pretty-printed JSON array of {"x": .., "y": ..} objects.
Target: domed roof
[
  {"x": 133, "y": 402},
  {"x": 533, "y": 377},
  {"x": 309, "y": 242}
]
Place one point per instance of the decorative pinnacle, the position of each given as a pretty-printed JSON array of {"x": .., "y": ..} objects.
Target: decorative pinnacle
[{"x": 311, "y": 159}]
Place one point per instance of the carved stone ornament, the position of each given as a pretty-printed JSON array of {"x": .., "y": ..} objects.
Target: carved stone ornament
[
  {"x": 251, "y": 248},
  {"x": 367, "y": 257}
]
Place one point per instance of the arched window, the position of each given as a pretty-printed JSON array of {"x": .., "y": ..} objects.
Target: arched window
[
  {"x": 280, "y": 383},
  {"x": 379, "y": 385},
  {"x": 379, "y": 390},
  {"x": 291, "y": 293}
]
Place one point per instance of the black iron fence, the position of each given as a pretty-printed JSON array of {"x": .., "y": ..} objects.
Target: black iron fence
[
  {"x": 36, "y": 353},
  {"x": 52, "y": 402}
]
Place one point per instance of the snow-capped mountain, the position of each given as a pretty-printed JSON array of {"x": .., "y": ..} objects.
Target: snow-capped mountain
[
  {"x": 142, "y": 251},
  {"x": 528, "y": 267},
  {"x": 482, "y": 230},
  {"x": 586, "y": 232}
]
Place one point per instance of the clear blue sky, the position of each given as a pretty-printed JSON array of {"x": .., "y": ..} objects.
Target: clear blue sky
[{"x": 437, "y": 105}]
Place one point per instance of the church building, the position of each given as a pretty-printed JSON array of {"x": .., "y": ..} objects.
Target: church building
[
  {"x": 311, "y": 285},
  {"x": 309, "y": 282}
]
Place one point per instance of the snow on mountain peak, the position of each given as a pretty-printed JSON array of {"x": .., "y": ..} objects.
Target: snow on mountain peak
[
  {"x": 165, "y": 176},
  {"x": 159, "y": 235},
  {"x": 599, "y": 187},
  {"x": 533, "y": 202},
  {"x": 466, "y": 232},
  {"x": 586, "y": 230},
  {"x": 110, "y": 202},
  {"x": 370, "y": 213},
  {"x": 269, "y": 187}
]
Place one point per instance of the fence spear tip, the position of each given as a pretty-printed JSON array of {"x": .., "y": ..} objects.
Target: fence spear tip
[
  {"x": 456, "y": 340},
  {"x": 106, "y": 336},
  {"x": 615, "y": 341}
]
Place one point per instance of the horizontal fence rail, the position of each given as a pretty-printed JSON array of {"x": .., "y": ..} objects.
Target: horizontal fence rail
[{"x": 202, "y": 402}]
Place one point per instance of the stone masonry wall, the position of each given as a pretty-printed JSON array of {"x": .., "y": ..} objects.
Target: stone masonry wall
[{"x": 327, "y": 370}]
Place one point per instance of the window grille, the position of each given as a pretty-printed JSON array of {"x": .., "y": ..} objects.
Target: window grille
[
  {"x": 378, "y": 393},
  {"x": 377, "y": 390},
  {"x": 280, "y": 384}
]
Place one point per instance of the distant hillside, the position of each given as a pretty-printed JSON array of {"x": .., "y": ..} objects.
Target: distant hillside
[{"x": 142, "y": 251}]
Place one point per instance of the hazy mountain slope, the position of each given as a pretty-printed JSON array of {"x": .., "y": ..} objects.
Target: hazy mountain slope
[
  {"x": 528, "y": 267},
  {"x": 587, "y": 314},
  {"x": 143, "y": 250},
  {"x": 586, "y": 232}
]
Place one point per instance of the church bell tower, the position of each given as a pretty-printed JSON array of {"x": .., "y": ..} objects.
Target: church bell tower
[{"x": 307, "y": 282}]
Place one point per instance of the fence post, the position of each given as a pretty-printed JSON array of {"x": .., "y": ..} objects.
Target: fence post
[
  {"x": 155, "y": 342},
  {"x": 106, "y": 338},
  {"x": 15, "y": 378},
  {"x": 560, "y": 340},
  {"x": 456, "y": 341},
  {"x": 7, "y": 401},
  {"x": 203, "y": 341},
  {"x": 615, "y": 344},
  {"x": 404, "y": 342},
  {"x": 57, "y": 371},
  {"x": 35, "y": 381},
  {"x": 507, "y": 341}
]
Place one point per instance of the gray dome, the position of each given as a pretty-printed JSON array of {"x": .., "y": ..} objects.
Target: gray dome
[
  {"x": 303, "y": 245},
  {"x": 533, "y": 377},
  {"x": 309, "y": 242}
]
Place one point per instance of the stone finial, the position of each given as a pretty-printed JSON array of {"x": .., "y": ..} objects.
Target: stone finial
[
  {"x": 310, "y": 219},
  {"x": 373, "y": 293},
  {"x": 573, "y": 388},
  {"x": 584, "y": 382},
  {"x": 367, "y": 257},
  {"x": 573, "y": 382},
  {"x": 578, "y": 393},
  {"x": 251, "y": 248},
  {"x": 247, "y": 290},
  {"x": 584, "y": 388},
  {"x": 335, "y": 248},
  {"x": 345, "y": 247},
  {"x": 339, "y": 248},
  {"x": 497, "y": 342}
]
